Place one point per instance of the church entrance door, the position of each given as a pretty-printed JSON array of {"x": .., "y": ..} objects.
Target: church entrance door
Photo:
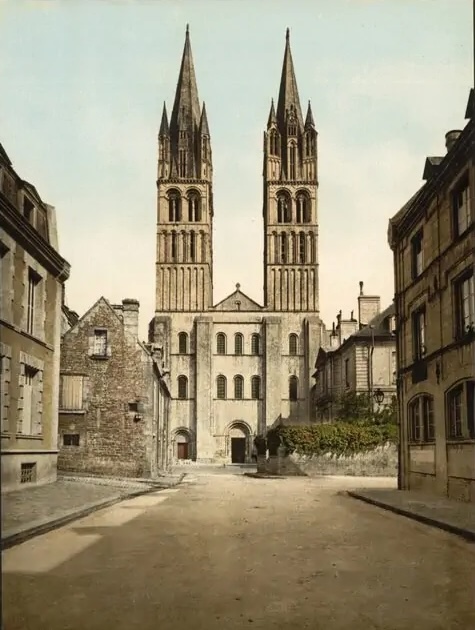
[{"x": 238, "y": 450}]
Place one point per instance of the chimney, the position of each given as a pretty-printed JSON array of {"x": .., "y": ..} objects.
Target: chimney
[
  {"x": 130, "y": 310},
  {"x": 368, "y": 307},
  {"x": 451, "y": 138}
]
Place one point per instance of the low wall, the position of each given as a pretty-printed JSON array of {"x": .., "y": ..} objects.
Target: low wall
[{"x": 380, "y": 462}]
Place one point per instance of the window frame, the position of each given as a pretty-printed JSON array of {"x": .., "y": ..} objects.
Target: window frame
[
  {"x": 238, "y": 381},
  {"x": 182, "y": 342},
  {"x": 461, "y": 190},
  {"x": 221, "y": 387},
  {"x": 293, "y": 338},
  {"x": 221, "y": 343},
  {"x": 182, "y": 387},
  {"x": 238, "y": 344},
  {"x": 417, "y": 254},
  {"x": 255, "y": 344},
  {"x": 419, "y": 333},
  {"x": 256, "y": 387},
  {"x": 463, "y": 329},
  {"x": 421, "y": 420},
  {"x": 293, "y": 388},
  {"x": 460, "y": 429},
  {"x": 100, "y": 333}
]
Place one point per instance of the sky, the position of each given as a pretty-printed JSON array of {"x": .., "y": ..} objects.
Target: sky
[{"x": 83, "y": 84}]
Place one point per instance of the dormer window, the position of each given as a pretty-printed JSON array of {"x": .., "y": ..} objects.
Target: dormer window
[{"x": 28, "y": 210}]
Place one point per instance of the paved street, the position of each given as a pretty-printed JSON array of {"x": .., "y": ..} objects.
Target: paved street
[{"x": 227, "y": 551}]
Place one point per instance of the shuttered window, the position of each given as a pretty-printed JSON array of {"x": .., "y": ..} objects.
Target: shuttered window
[{"x": 71, "y": 392}]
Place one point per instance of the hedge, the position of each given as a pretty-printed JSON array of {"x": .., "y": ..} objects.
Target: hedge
[{"x": 339, "y": 438}]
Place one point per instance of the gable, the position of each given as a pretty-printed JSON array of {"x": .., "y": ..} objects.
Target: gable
[
  {"x": 99, "y": 312},
  {"x": 237, "y": 301}
]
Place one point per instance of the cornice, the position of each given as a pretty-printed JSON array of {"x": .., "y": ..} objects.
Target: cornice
[{"x": 27, "y": 237}]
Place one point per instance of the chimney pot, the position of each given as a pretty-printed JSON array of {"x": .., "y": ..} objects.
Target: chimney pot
[{"x": 361, "y": 287}]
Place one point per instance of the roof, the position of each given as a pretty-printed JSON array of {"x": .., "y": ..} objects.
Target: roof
[
  {"x": 288, "y": 92},
  {"x": 245, "y": 302},
  {"x": 379, "y": 328},
  {"x": 186, "y": 112},
  {"x": 430, "y": 166}
]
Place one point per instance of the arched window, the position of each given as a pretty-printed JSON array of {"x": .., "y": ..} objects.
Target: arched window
[
  {"x": 182, "y": 343},
  {"x": 284, "y": 209},
  {"x": 256, "y": 387},
  {"x": 255, "y": 344},
  {"x": 182, "y": 387},
  {"x": 421, "y": 419},
  {"x": 192, "y": 247},
  {"x": 238, "y": 343},
  {"x": 293, "y": 388},
  {"x": 174, "y": 246},
  {"x": 302, "y": 256},
  {"x": 194, "y": 206},
  {"x": 221, "y": 387},
  {"x": 221, "y": 343},
  {"x": 283, "y": 248},
  {"x": 293, "y": 344},
  {"x": 174, "y": 206},
  {"x": 461, "y": 411},
  {"x": 292, "y": 161},
  {"x": 303, "y": 208},
  {"x": 238, "y": 387}
]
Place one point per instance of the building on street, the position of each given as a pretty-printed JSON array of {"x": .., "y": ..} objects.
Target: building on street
[
  {"x": 359, "y": 358},
  {"x": 236, "y": 366},
  {"x": 32, "y": 284},
  {"x": 114, "y": 396},
  {"x": 433, "y": 240}
]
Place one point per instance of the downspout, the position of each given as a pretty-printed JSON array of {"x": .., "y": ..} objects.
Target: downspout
[{"x": 400, "y": 389}]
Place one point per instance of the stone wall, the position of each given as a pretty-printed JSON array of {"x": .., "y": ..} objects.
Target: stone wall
[{"x": 381, "y": 462}]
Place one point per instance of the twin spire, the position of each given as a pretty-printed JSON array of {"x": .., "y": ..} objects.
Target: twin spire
[
  {"x": 289, "y": 100},
  {"x": 186, "y": 113}
]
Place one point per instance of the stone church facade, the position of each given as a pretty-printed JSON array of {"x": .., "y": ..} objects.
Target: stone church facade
[{"x": 237, "y": 366}]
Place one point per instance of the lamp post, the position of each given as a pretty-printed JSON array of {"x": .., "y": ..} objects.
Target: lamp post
[
  {"x": 370, "y": 372},
  {"x": 379, "y": 396}
]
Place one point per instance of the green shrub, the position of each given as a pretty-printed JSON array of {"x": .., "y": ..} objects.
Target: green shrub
[{"x": 339, "y": 438}]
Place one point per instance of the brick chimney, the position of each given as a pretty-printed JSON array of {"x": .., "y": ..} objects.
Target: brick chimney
[
  {"x": 130, "y": 309},
  {"x": 368, "y": 307},
  {"x": 451, "y": 138}
]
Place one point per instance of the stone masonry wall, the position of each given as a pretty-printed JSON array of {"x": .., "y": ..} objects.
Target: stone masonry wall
[
  {"x": 111, "y": 441},
  {"x": 381, "y": 462}
]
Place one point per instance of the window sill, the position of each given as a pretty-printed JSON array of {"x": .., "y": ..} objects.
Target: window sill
[
  {"x": 99, "y": 357},
  {"x": 24, "y": 436},
  {"x": 460, "y": 440},
  {"x": 422, "y": 443},
  {"x": 71, "y": 412}
]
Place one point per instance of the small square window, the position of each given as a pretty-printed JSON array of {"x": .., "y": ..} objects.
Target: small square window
[
  {"x": 71, "y": 439},
  {"x": 28, "y": 472}
]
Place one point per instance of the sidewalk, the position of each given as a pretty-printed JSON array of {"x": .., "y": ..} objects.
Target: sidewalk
[
  {"x": 456, "y": 517},
  {"x": 33, "y": 511}
]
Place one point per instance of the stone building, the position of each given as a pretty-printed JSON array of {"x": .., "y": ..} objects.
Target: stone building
[
  {"x": 32, "y": 278},
  {"x": 237, "y": 366},
  {"x": 359, "y": 357},
  {"x": 114, "y": 397},
  {"x": 433, "y": 240}
]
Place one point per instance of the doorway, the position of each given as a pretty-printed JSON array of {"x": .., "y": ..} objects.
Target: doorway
[
  {"x": 238, "y": 450},
  {"x": 182, "y": 450}
]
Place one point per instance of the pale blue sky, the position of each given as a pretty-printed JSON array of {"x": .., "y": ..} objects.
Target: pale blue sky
[{"x": 83, "y": 83}]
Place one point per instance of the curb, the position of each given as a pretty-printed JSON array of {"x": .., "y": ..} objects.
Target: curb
[
  {"x": 427, "y": 520},
  {"x": 263, "y": 476},
  {"x": 43, "y": 528}
]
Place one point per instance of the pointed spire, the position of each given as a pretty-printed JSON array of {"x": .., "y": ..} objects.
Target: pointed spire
[
  {"x": 186, "y": 108},
  {"x": 309, "y": 122},
  {"x": 288, "y": 92},
  {"x": 272, "y": 117},
  {"x": 204, "y": 129},
  {"x": 164, "y": 129}
]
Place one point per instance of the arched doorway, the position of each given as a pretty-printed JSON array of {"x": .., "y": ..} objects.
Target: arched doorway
[
  {"x": 182, "y": 440},
  {"x": 239, "y": 442}
]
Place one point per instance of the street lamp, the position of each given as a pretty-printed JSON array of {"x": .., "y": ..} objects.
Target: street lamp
[{"x": 379, "y": 396}]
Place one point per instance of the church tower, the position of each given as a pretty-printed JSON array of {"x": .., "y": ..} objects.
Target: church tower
[
  {"x": 184, "y": 200},
  {"x": 290, "y": 201}
]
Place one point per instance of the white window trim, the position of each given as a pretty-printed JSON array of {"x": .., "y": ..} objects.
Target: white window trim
[{"x": 40, "y": 298}]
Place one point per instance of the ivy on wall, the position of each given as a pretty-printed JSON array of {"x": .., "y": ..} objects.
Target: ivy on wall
[{"x": 340, "y": 438}]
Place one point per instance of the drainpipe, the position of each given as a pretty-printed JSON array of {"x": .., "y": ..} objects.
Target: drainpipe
[{"x": 370, "y": 372}]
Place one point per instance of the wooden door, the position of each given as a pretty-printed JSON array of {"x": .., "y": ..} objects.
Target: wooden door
[
  {"x": 182, "y": 450},
  {"x": 238, "y": 450}
]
